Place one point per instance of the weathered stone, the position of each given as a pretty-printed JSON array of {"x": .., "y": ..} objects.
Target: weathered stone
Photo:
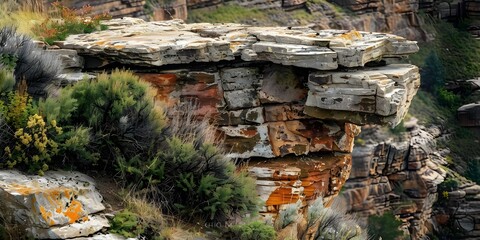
[
  {"x": 248, "y": 141},
  {"x": 82, "y": 228},
  {"x": 57, "y": 205},
  {"x": 281, "y": 85},
  {"x": 285, "y": 180},
  {"x": 382, "y": 93},
  {"x": 242, "y": 117},
  {"x": 173, "y": 42}
]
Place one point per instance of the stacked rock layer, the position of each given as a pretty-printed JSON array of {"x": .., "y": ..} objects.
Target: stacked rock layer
[{"x": 287, "y": 99}]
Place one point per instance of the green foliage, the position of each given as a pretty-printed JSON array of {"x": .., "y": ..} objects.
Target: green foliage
[
  {"x": 120, "y": 111},
  {"x": 7, "y": 81},
  {"x": 433, "y": 73},
  {"x": 385, "y": 226},
  {"x": 31, "y": 64},
  {"x": 200, "y": 181},
  {"x": 8, "y": 60},
  {"x": 16, "y": 108},
  {"x": 127, "y": 224},
  {"x": 192, "y": 176},
  {"x": 448, "y": 99},
  {"x": 333, "y": 222},
  {"x": 397, "y": 130},
  {"x": 255, "y": 230}
]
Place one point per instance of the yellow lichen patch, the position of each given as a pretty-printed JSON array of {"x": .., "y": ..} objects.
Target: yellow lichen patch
[
  {"x": 99, "y": 43},
  {"x": 351, "y": 35},
  {"x": 21, "y": 189},
  {"x": 74, "y": 211},
  {"x": 47, "y": 216},
  {"x": 119, "y": 47},
  {"x": 67, "y": 194}
]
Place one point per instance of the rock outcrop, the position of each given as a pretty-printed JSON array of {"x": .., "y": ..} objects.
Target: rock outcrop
[
  {"x": 59, "y": 205},
  {"x": 289, "y": 100},
  {"x": 399, "y": 176}
]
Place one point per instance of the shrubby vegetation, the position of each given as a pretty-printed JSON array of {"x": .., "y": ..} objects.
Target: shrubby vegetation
[
  {"x": 122, "y": 131},
  {"x": 385, "y": 226},
  {"x": 255, "y": 230},
  {"x": 453, "y": 55}
]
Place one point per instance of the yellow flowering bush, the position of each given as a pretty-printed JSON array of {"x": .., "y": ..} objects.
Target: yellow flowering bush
[{"x": 34, "y": 144}]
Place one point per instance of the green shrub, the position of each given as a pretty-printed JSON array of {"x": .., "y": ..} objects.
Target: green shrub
[
  {"x": 190, "y": 175},
  {"x": 448, "y": 99},
  {"x": 433, "y": 73},
  {"x": 127, "y": 224},
  {"x": 120, "y": 111},
  {"x": 256, "y": 230},
  {"x": 385, "y": 226},
  {"x": 7, "y": 81}
]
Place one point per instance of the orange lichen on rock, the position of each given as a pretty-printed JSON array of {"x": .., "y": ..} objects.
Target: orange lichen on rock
[
  {"x": 286, "y": 180},
  {"x": 74, "y": 211}
]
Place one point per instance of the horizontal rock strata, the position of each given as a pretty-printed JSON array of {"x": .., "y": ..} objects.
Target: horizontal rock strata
[{"x": 289, "y": 100}]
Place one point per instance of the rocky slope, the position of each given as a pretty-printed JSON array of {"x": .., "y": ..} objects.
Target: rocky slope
[{"x": 405, "y": 174}]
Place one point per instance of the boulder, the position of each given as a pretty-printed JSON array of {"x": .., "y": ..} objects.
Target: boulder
[{"x": 57, "y": 205}]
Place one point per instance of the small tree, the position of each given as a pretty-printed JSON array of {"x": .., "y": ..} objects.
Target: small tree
[{"x": 433, "y": 73}]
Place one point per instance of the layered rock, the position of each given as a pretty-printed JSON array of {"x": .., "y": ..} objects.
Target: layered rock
[
  {"x": 399, "y": 176},
  {"x": 287, "y": 99},
  {"x": 58, "y": 205}
]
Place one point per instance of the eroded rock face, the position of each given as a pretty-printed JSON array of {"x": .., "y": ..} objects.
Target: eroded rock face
[
  {"x": 58, "y": 205},
  {"x": 399, "y": 176},
  {"x": 289, "y": 100}
]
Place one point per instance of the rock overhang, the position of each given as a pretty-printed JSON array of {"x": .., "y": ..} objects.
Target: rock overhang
[
  {"x": 356, "y": 94},
  {"x": 281, "y": 96}
]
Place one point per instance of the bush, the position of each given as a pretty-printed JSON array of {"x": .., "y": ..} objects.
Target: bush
[
  {"x": 69, "y": 21},
  {"x": 385, "y": 226},
  {"x": 333, "y": 222},
  {"x": 120, "y": 111},
  {"x": 190, "y": 176},
  {"x": 256, "y": 230},
  {"x": 288, "y": 215},
  {"x": 35, "y": 66},
  {"x": 127, "y": 224},
  {"x": 433, "y": 73}
]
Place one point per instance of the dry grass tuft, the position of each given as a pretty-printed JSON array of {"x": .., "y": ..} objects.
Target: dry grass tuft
[{"x": 22, "y": 14}]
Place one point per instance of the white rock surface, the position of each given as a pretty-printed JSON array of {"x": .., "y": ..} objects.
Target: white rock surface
[
  {"x": 131, "y": 41},
  {"x": 57, "y": 205}
]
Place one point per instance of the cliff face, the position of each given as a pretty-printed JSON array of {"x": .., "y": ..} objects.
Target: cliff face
[
  {"x": 396, "y": 175},
  {"x": 397, "y": 17},
  {"x": 407, "y": 176},
  {"x": 289, "y": 100}
]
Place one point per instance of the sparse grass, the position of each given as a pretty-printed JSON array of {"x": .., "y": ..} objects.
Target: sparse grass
[{"x": 22, "y": 18}]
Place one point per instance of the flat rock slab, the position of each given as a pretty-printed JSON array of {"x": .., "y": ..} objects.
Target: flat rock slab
[
  {"x": 133, "y": 41},
  {"x": 57, "y": 205},
  {"x": 379, "y": 95}
]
